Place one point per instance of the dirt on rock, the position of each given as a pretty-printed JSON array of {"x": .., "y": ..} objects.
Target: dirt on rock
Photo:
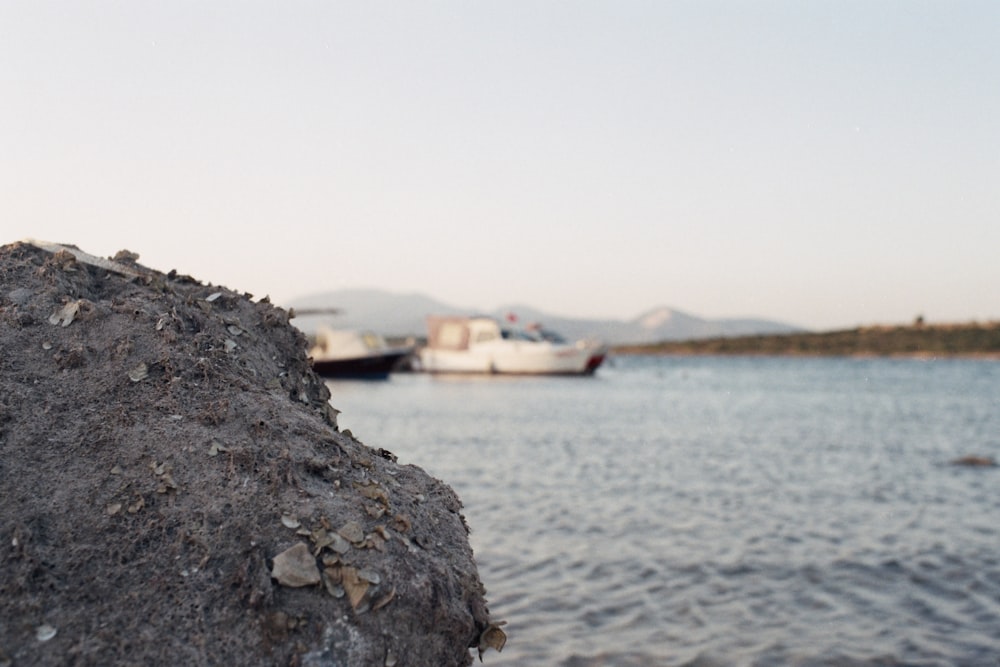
[{"x": 174, "y": 489}]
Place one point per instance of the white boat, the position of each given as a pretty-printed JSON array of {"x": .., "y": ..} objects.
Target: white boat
[
  {"x": 484, "y": 345},
  {"x": 348, "y": 353}
]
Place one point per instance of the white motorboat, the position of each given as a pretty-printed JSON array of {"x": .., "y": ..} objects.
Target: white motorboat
[{"x": 484, "y": 345}]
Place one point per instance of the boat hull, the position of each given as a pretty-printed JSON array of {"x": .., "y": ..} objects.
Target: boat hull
[
  {"x": 516, "y": 360},
  {"x": 371, "y": 367}
]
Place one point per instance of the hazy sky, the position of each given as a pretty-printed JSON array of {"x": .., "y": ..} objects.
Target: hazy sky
[{"x": 823, "y": 163}]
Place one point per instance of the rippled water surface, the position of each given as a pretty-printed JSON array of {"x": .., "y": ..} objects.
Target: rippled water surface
[{"x": 719, "y": 511}]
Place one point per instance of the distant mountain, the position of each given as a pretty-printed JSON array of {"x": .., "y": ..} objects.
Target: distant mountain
[
  {"x": 663, "y": 323},
  {"x": 401, "y": 315},
  {"x": 389, "y": 313}
]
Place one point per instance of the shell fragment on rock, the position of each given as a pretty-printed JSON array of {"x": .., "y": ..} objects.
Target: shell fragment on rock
[
  {"x": 66, "y": 315},
  {"x": 138, "y": 373},
  {"x": 296, "y": 567},
  {"x": 45, "y": 632},
  {"x": 86, "y": 258},
  {"x": 374, "y": 492},
  {"x": 371, "y": 576},
  {"x": 217, "y": 448},
  {"x": 331, "y": 582},
  {"x": 354, "y": 585},
  {"x": 492, "y": 637},
  {"x": 125, "y": 255},
  {"x": 352, "y": 532},
  {"x": 384, "y": 600},
  {"x": 339, "y": 544}
]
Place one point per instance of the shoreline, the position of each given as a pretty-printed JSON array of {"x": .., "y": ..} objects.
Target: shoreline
[
  {"x": 925, "y": 356},
  {"x": 917, "y": 341}
]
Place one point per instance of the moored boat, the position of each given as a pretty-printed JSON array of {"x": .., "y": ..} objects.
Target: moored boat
[
  {"x": 342, "y": 353},
  {"x": 483, "y": 345}
]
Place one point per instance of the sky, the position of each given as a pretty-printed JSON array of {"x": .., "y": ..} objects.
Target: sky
[{"x": 824, "y": 163}]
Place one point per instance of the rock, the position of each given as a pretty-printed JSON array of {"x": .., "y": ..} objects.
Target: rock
[
  {"x": 296, "y": 567},
  {"x": 146, "y": 466},
  {"x": 975, "y": 462}
]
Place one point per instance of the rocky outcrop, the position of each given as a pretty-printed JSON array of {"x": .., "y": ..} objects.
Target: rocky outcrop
[{"x": 174, "y": 489}]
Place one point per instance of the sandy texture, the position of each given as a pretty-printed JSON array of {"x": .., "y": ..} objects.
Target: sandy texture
[{"x": 162, "y": 443}]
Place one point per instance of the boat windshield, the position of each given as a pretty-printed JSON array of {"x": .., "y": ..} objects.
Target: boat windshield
[
  {"x": 541, "y": 334},
  {"x": 515, "y": 334},
  {"x": 551, "y": 336}
]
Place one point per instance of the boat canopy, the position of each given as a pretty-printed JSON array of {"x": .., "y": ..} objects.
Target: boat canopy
[
  {"x": 451, "y": 332},
  {"x": 346, "y": 343}
]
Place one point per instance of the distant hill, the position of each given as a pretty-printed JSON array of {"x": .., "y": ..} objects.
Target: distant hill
[
  {"x": 392, "y": 314},
  {"x": 400, "y": 315}
]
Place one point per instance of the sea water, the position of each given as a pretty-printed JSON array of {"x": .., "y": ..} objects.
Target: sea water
[{"x": 719, "y": 511}]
